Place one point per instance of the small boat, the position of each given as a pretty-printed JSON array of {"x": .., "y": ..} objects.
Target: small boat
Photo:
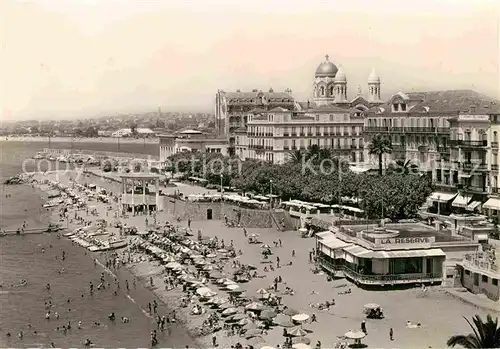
[{"x": 38, "y": 156}]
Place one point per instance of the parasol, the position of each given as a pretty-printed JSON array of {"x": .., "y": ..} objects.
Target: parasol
[
  {"x": 262, "y": 291},
  {"x": 255, "y": 306},
  {"x": 372, "y": 306},
  {"x": 229, "y": 311},
  {"x": 300, "y": 346},
  {"x": 267, "y": 314},
  {"x": 253, "y": 333},
  {"x": 238, "y": 317},
  {"x": 297, "y": 332},
  {"x": 283, "y": 320},
  {"x": 300, "y": 317},
  {"x": 290, "y": 312},
  {"x": 232, "y": 287},
  {"x": 173, "y": 265},
  {"x": 356, "y": 335},
  {"x": 301, "y": 340}
]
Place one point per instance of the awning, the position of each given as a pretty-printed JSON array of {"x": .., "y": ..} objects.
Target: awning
[
  {"x": 333, "y": 243},
  {"x": 464, "y": 175},
  {"x": 433, "y": 252},
  {"x": 442, "y": 197},
  {"x": 473, "y": 205},
  {"x": 492, "y": 204},
  {"x": 461, "y": 201},
  {"x": 324, "y": 234},
  {"x": 362, "y": 252}
]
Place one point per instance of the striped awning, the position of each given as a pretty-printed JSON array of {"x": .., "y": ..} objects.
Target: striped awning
[
  {"x": 442, "y": 197},
  {"x": 473, "y": 205},
  {"x": 492, "y": 204},
  {"x": 461, "y": 201},
  {"x": 432, "y": 252}
]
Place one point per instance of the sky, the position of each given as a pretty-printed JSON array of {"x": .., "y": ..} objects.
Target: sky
[{"x": 79, "y": 58}]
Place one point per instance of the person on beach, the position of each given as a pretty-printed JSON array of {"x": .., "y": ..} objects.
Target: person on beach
[{"x": 391, "y": 334}]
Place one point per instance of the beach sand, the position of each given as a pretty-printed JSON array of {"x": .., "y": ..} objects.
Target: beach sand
[{"x": 441, "y": 315}]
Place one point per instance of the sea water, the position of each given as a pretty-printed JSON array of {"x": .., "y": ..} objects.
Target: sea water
[{"x": 37, "y": 259}]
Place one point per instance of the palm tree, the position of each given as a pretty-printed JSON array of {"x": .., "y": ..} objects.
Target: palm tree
[
  {"x": 486, "y": 334},
  {"x": 313, "y": 152},
  {"x": 404, "y": 167},
  {"x": 379, "y": 146},
  {"x": 296, "y": 156}
]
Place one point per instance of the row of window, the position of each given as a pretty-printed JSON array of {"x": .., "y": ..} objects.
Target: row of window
[
  {"x": 334, "y": 143},
  {"x": 310, "y": 131},
  {"x": 407, "y": 122},
  {"x": 484, "y": 279}
]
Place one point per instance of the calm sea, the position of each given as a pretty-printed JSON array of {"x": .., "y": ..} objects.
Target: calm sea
[{"x": 21, "y": 257}]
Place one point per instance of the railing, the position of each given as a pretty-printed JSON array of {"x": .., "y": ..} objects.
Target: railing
[
  {"x": 285, "y": 134},
  {"x": 475, "y": 189},
  {"x": 494, "y": 145},
  {"x": 363, "y": 278},
  {"x": 494, "y": 167},
  {"x": 468, "y": 143},
  {"x": 443, "y": 149},
  {"x": 473, "y": 167}
]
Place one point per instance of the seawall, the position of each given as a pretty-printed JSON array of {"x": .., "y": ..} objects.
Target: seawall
[{"x": 199, "y": 211}]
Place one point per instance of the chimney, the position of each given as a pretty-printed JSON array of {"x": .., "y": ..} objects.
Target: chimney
[{"x": 308, "y": 104}]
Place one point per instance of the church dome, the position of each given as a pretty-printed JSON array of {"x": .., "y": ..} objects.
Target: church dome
[
  {"x": 326, "y": 69},
  {"x": 340, "y": 76},
  {"x": 373, "y": 77}
]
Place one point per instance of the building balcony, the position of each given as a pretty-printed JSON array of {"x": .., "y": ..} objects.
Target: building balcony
[
  {"x": 494, "y": 145},
  {"x": 286, "y": 134},
  {"x": 495, "y": 190},
  {"x": 302, "y": 134},
  {"x": 286, "y": 148},
  {"x": 269, "y": 134},
  {"x": 354, "y": 146},
  {"x": 470, "y": 166},
  {"x": 390, "y": 279},
  {"x": 476, "y": 190},
  {"x": 255, "y": 146},
  {"x": 390, "y": 129},
  {"x": 494, "y": 167},
  {"x": 468, "y": 143},
  {"x": 443, "y": 150}
]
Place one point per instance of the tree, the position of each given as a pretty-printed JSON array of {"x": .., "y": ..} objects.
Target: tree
[
  {"x": 403, "y": 167},
  {"x": 296, "y": 156},
  {"x": 486, "y": 334},
  {"x": 133, "y": 129},
  {"x": 379, "y": 146}
]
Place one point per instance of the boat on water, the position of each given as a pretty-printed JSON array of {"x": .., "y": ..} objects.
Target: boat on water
[
  {"x": 108, "y": 245},
  {"x": 53, "y": 228}
]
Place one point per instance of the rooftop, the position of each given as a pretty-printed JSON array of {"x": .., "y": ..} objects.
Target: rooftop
[
  {"x": 448, "y": 101},
  {"x": 409, "y": 230}
]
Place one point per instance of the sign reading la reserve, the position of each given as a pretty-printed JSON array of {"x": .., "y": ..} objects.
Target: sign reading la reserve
[{"x": 401, "y": 241}]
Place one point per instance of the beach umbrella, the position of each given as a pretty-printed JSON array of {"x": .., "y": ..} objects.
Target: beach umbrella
[
  {"x": 222, "y": 250},
  {"x": 173, "y": 265},
  {"x": 267, "y": 314},
  {"x": 253, "y": 333},
  {"x": 356, "y": 335},
  {"x": 227, "y": 281},
  {"x": 262, "y": 291},
  {"x": 225, "y": 306},
  {"x": 218, "y": 300},
  {"x": 283, "y": 320},
  {"x": 372, "y": 306},
  {"x": 265, "y": 246},
  {"x": 255, "y": 306},
  {"x": 229, "y": 311},
  {"x": 211, "y": 255},
  {"x": 250, "y": 326},
  {"x": 255, "y": 341},
  {"x": 266, "y": 347},
  {"x": 290, "y": 312},
  {"x": 297, "y": 332},
  {"x": 245, "y": 321},
  {"x": 207, "y": 267},
  {"x": 301, "y": 346},
  {"x": 216, "y": 275},
  {"x": 200, "y": 262},
  {"x": 205, "y": 292},
  {"x": 238, "y": 317},
  {"x": 300, "y": 317},
  {"x": 301, "y": 340},
  {"x": 232, "y": 287}
]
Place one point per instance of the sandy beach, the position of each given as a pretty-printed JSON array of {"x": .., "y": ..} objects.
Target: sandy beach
[{"x": 399, "y": 306}]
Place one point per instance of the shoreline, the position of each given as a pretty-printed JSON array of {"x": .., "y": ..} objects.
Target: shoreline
[
  {"x": 103, "y": 140},
  {"x": 179, "y": 330},
  {"x": 311, "y": 288}
]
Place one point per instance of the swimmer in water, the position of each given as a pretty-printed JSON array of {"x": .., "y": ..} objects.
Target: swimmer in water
[{"x": 48, "y": 287}]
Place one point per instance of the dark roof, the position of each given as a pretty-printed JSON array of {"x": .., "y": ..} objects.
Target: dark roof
[{"x": 449, "y": 101}]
